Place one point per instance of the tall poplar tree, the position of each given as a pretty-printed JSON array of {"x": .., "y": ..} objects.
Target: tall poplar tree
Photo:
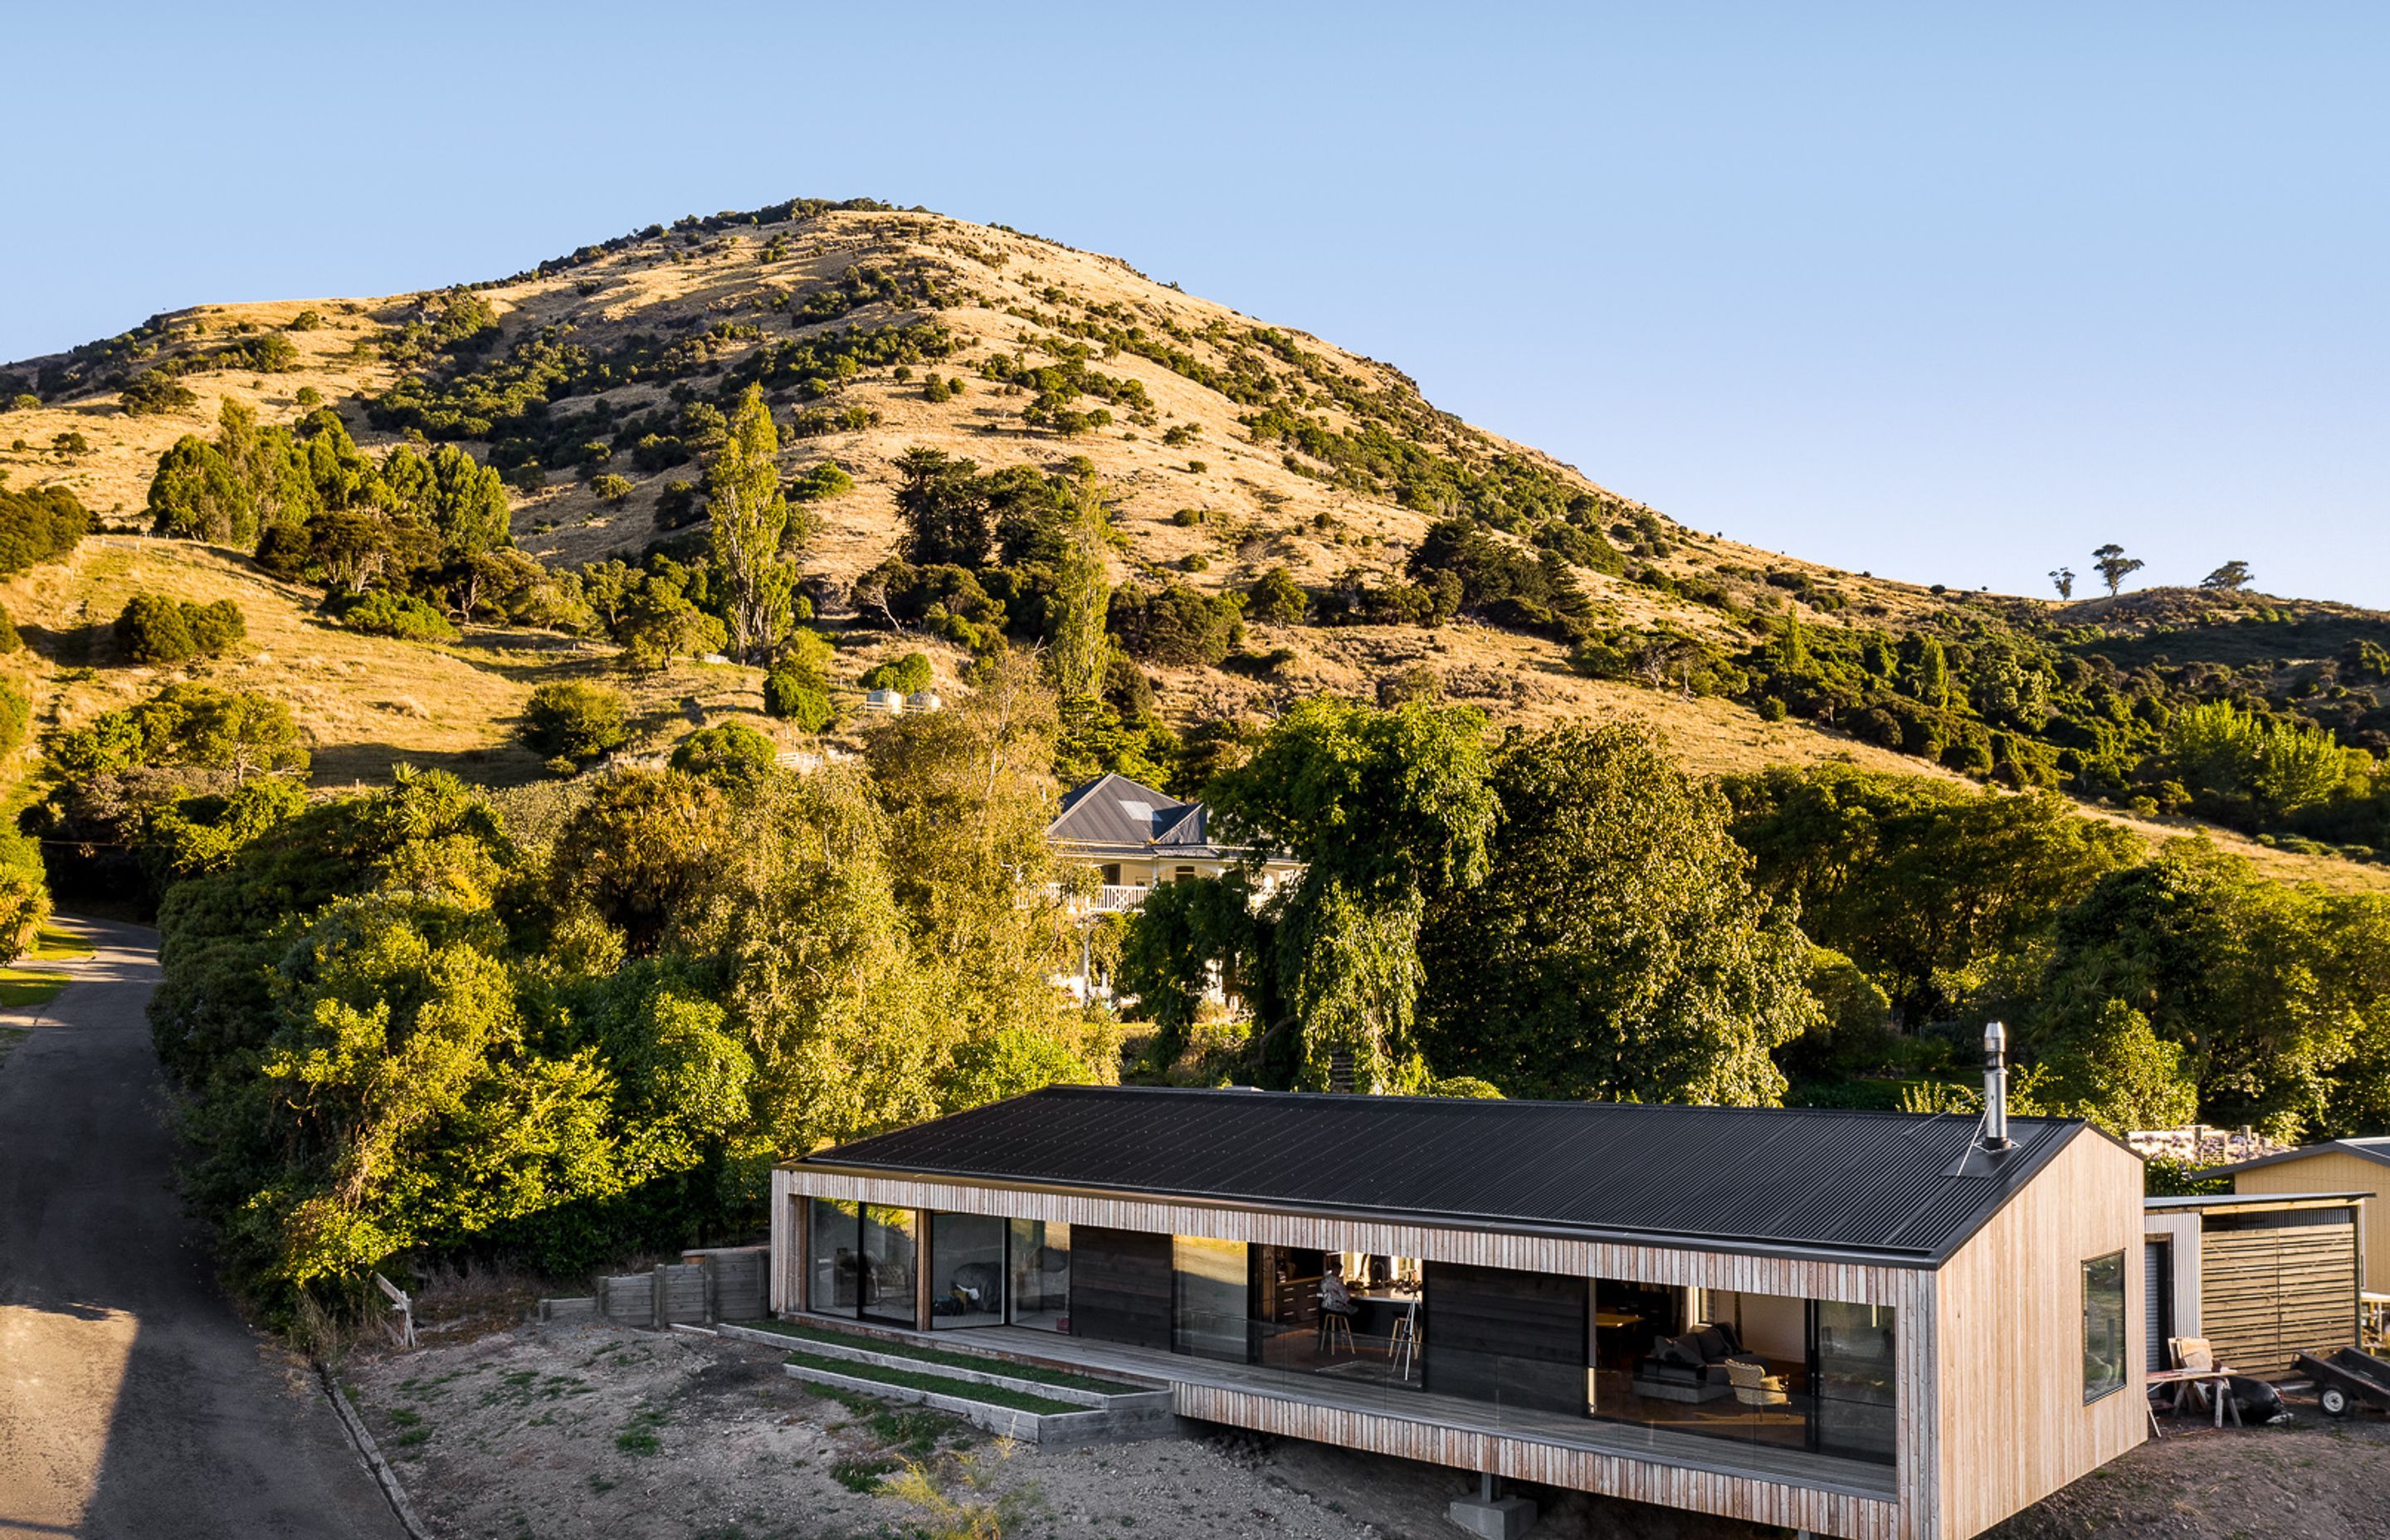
[
  {"x": 743, "y": 493},
  {"x": 1083, "y": 596}
]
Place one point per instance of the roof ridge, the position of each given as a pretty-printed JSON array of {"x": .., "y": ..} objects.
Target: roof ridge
[{"x": 1874, "y": 1114}]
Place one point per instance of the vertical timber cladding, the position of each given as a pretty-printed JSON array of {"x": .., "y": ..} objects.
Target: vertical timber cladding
[
  {"x": 1508, "y": 1338},
  {"x": 2273, "y": 1285},
  {"x": 1119, "y": 1286},
  {"x": 2011, "y": 1423}
]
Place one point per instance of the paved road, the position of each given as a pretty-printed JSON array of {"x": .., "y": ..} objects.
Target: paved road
[{"x": 133, "y": 1403}]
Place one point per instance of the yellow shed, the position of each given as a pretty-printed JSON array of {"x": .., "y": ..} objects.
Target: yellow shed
[{"x": 2336, "y": 1165}]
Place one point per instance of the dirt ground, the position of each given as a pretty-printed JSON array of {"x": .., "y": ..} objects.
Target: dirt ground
[
  {"x": 555, "y": 1433},
  {"x": 2309, "y": 1478}
]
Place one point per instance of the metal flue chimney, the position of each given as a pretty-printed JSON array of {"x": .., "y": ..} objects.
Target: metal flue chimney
[{"x": 1995, "y": 1086}]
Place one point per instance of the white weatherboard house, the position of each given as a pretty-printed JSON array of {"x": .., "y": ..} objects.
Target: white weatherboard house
[{"x": 1137, "y": 839}]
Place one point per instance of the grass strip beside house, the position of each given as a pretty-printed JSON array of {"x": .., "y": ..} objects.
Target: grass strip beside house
[
  {"x": 1063, "y": 1379},
  {"x": 937, "y": 1384}
]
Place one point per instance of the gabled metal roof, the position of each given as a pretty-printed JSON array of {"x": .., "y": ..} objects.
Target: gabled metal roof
[
  {"x": 1792, "y": 1181},
  {"x": 1114, "y": 810},
  {"x": 2376, "y": 1149}
]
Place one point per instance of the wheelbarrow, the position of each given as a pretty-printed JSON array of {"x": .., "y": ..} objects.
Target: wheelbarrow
[{"x": 2347, "y": 1379}]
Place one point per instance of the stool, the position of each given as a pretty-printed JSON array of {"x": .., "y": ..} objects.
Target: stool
[{"x": 1332, "y": 1323}]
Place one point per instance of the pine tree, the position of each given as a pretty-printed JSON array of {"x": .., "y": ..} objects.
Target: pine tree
[{"x": 742, "y": 494}]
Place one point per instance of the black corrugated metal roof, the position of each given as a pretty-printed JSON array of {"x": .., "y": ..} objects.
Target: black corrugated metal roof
[{"x": 1765, "y": 1179}]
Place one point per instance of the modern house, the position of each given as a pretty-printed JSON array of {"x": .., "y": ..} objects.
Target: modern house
[
  {"x": 2336, "y": 1165},
  {"x": 1136, "y": 839},
  {"x": 1883, "y": 1326},
  {"x": 2262, "y": 1277}
]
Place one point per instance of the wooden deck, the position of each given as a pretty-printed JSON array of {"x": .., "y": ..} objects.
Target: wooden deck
[{"x": 1190, "y": 1379}]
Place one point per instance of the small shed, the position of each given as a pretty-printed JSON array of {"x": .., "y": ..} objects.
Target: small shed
[
  {"x": 892, "y": 701},
  {"x": 2262, "y": 1278},
  {"x": 2336, "y": 1165}
]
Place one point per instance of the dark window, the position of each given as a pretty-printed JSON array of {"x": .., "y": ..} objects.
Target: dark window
[
  {"x": 965, "y": 1270},
  {"x": 2103, "y": 1325},
  {"x": 1510, "y": 1338},
  {"x": 1119, "y": 1286}
]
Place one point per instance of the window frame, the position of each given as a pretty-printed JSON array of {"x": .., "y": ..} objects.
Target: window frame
[{"x": 2092, "y": 1393}]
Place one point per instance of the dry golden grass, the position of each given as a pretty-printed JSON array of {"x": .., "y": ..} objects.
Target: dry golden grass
[
  {"x": 365, "y": 703},
  {"x": 368, "y": 703}
]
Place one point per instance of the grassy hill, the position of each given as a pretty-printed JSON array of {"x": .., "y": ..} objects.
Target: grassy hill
[{"x": 1229, "y": 447}]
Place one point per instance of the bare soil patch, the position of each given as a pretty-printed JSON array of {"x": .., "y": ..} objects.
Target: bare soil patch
[{"x": 564, "y": 1432}]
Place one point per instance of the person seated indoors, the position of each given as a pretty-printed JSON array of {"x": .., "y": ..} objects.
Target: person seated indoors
[{"x": 1334, "y": 1297}]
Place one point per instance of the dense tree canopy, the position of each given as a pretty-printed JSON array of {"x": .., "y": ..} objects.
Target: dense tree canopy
[{"x": 1616, "y": 949}]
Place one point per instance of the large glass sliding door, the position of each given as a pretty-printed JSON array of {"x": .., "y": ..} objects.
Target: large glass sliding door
[
  {"x": 833, "y": 1234},
  {"x": 890, "y": 1253},
  {"x": 1209, "y": 1298},
  {"x": 965, "y": 1270},
  {"x": 1041, "y": 1275}
]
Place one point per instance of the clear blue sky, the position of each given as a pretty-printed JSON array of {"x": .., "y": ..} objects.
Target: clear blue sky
[{"x": 1952, "y": 294}]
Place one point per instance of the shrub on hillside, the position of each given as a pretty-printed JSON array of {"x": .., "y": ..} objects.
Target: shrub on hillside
[
  {"x": 1276, "y": 599},
  {"x": 152, "y": 394},
  {"x": 575, "y": 721},
  {"x": 9, "y": 640},
  {"x": 1176, "y": 624},
  {"x": 383, "y": 613},
  {"x": 907, "y": 675},
  {"x": 39, "y": 525},
  {"x": 154, "y": 629},
  {"x": 787, "y": 695},
  {"x": 16, "y": 716},
  {"x": 729, "y": 752},
  {"x": 613, "y": 488}
]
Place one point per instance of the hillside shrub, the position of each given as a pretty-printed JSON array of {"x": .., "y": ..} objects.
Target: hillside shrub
[
  {"x": 1276, "y": 599},
  {"x": 153, "y": 393},
  {"x": 570, "y": 719},
  {"x": 727, "y": 752},
  {"x": 789, "y": 697},
  {"x": 907, "y": 674},
  {"x": 39, "y": 525},
  {"x": 155, "y": 629},
  {"x": 384, "y": 613},
  {"x": 16, "y": 716},
  {"x": 1176, "y": 624},
  {"x": 612, "y": 487},
  {"x": 9, "y": 640}
]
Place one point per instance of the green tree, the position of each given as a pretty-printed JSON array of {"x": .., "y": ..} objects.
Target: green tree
[
  {"x": 944, "y": 509},
  {"x": 2118, "y": 1073},
  {"x": 1617, "y": 949},
  {"x": 730, "y": 752},
  {"x": 1385, "y": 810},
  {"x": 2230, "y": 578},
  {"x": 568, "y": 719},
  {"x": 1276, "y": 599},
  {"x": 1926, "y": 885},
  {"x": 2272, "y": 992},
  {"x": 2062, "y": 579},
  {"x": 154, "y": 629},
  {"x": 153, "y": 393},
  {"x": 2114, "y": 566},
  {"x": 750, "y": 514},
  {"x": 1081, "y": 647},
  {"x": 906, "y": 675}
]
